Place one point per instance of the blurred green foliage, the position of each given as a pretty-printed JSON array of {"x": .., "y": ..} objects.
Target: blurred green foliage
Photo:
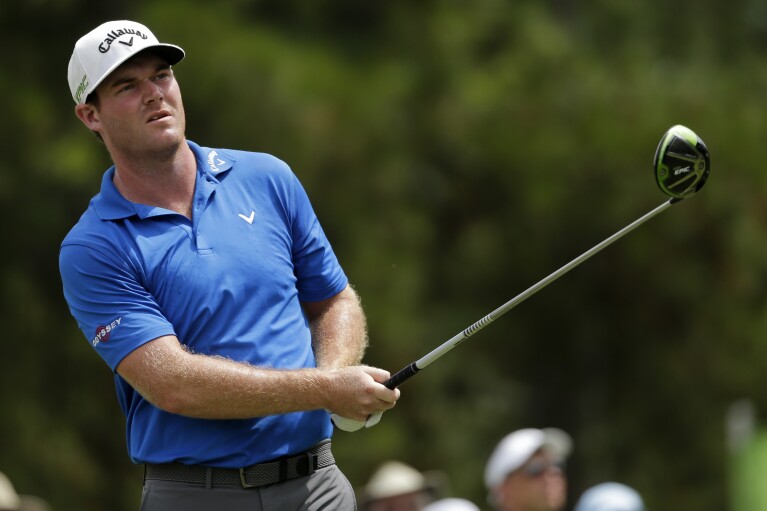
[{"x": 456, "y": 152}]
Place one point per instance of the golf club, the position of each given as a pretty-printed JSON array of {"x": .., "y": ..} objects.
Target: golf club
[{"x": 681, "y": 168}]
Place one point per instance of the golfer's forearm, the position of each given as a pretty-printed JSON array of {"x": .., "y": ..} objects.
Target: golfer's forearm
[
  {"x": 195, "y": 385},
  {"x": 215, "y": 388},
  {"x": 339, "y": 332}
]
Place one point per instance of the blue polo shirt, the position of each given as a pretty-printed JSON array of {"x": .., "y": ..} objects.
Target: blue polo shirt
[{"x": 228, "y": 282}]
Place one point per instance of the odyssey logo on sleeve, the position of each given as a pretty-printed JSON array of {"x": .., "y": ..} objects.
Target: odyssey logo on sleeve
[{"x": 103, "y": 333}]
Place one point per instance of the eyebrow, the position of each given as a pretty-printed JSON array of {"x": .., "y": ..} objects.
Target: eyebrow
[{"x": 129, "y": 77}]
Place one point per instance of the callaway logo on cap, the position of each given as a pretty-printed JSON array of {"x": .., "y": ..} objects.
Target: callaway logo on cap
[{"x": 103, "y": 49}]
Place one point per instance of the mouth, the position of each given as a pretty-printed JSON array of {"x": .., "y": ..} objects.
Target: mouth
[{"x": 158, "y": 116}]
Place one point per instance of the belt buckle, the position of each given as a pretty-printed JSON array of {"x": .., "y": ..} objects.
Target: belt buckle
[
  {"x": 243, "y": 481},
  {"x": 310, "y": 458}
]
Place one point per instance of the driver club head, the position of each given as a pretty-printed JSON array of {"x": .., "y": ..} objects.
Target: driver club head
[{"x": 682, "y": 162}]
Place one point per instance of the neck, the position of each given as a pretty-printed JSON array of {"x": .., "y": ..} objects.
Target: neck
[{"x": 163, "y": 179}]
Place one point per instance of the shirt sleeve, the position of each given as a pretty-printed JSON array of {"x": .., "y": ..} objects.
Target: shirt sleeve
[
  {"x": 113, "y": 310},
  {"x": 318, "y": 272}
]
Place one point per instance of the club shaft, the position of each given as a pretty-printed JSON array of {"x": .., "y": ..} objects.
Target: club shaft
[{"x": 409, "y": 371}]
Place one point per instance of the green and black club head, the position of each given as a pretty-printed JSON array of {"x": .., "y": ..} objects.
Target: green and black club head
[{"x": 682, "y": 163}]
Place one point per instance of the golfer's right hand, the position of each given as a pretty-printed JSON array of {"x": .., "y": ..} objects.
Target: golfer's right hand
[{"x": 357, "y": 393}]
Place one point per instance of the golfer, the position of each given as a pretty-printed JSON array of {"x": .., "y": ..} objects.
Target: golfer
[{"x": 203, "y": 279}]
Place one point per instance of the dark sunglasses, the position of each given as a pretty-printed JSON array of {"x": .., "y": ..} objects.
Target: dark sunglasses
[{"x": 536, "y": 468}]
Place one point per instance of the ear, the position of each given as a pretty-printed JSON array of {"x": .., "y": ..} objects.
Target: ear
[
  {"x": 89, "y": 116},
  {"x": 495, "y": 496}
]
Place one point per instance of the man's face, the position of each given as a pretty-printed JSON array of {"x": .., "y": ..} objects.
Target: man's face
[
  {"x": 539, "y": 485},
  {"x": 139, "y": 110}
]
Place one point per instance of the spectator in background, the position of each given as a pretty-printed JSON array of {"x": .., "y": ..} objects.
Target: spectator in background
[
  {"x": 396, "y": 486},
  {"x": 610, "y": 497},
  {"x": 526, "y": 471},
  {"x": 12, "y": 501},
  {"x": 451, "y": 505}
]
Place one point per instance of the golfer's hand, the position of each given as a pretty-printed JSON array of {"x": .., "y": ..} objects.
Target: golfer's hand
[{"x": 360, "y": 397}]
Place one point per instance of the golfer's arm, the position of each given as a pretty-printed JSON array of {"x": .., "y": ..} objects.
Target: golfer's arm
[
  {"x": 178, "y": 381},
  {"x": 339, "y": 330}
]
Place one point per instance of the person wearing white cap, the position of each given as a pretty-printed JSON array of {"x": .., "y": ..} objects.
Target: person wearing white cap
[
  {"x": 610, "y": 497},
  {"x": 12, "y": 501},
  {"x": 451, "y": 504},
  {"x": 9, "y": 499},
  {"x": 525, "y": 471},
  {"x": 396, "y": 486},
  {"x": 204, "y": 280}
]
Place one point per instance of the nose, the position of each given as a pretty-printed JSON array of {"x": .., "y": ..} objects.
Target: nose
[{"x": 152, "y": 92}]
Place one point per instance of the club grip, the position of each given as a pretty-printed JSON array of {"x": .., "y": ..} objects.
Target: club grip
[{"x": 401, "y": 376}]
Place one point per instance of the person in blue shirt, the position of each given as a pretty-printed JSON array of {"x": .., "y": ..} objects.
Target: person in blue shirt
[{"x": 204, "y": 280}]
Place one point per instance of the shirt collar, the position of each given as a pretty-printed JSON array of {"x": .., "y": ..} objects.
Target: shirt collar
[{"x": 111, "y": 205}]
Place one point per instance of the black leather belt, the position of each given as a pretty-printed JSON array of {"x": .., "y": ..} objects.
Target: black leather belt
[{"x": 262, "y": 474}]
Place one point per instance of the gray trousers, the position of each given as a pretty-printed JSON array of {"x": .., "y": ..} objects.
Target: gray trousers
[{"x": 327, "y": 489}]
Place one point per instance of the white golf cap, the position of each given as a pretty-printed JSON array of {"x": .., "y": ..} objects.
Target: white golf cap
[
  {"x": 103, "y": 49},
  {"x": 451, "y": 505},
  {"x": 516, "y": 448},
  {"x": 610, "y": 497},
  {"x": 9, "y": 499},
  {"x": 395, "y": 478}
]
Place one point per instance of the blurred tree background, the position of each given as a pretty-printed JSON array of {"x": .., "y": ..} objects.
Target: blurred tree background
[{"x": 456, "y": 152}]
